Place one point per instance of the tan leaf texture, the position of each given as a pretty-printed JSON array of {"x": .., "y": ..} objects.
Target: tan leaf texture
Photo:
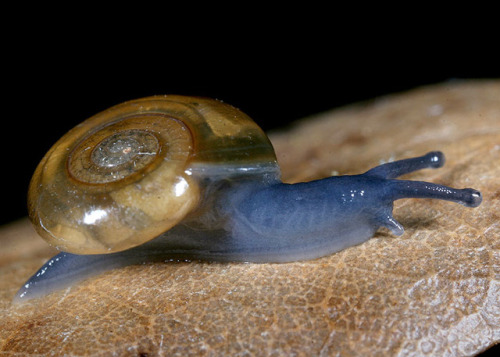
[{"x": 433, "y": 291}]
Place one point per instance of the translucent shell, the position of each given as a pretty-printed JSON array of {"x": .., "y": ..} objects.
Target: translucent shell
[{"x": 132, "y": 172}]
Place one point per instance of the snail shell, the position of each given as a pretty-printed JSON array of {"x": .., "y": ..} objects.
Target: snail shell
[{"x": 132, "y": 172}]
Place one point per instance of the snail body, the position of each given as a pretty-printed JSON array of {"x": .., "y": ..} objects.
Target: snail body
[{"x": 177, "y": 177}]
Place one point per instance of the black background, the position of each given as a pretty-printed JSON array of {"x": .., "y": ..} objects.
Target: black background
[{"x": 61, "y": 65}]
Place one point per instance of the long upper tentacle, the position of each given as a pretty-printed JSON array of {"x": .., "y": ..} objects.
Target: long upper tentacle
[
  {"x": 420, "y": 189},
  {"x": 433, "y": 159}
]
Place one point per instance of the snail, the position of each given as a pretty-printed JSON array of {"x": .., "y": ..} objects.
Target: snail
[{"x": 174, "y": 177}]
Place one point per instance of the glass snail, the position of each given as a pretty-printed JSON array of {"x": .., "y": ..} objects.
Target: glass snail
[{"x": 174, "y": 177}]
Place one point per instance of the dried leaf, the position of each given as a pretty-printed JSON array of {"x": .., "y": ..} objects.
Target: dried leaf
[{"x": 435, "y": 290}]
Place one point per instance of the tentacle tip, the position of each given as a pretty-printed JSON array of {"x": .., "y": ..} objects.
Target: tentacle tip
[
  {"x": 436, "y": 159},
  {"x": 472, "y": 198}
]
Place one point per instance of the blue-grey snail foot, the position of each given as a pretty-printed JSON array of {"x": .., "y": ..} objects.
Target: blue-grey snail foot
[
  {"x": 471, "y": 197},
  {"x": 62, "y": 271},
  {"x": 37, "y": 284}
]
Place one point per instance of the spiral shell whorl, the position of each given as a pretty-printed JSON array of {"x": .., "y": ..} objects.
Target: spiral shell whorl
[
  {"x": 114, "y": 158},
  {"x": 130, "y": 173}
]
